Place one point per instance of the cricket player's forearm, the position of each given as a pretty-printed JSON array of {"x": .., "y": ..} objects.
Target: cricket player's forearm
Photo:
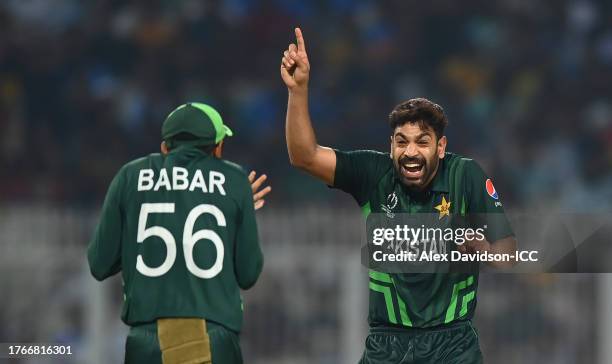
[
  {"x": 103, "y": 263},
  {"x": 503, "y": 246},
  {"x": 248, "y": 269},
  {"x": 301, "y": 139}
]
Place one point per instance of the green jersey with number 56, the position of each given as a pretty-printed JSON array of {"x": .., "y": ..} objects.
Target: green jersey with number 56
[{"x": 181, "y": 228}]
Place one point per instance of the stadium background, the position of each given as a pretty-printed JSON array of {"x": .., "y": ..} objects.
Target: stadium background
[{"x": 84, "y": 87}]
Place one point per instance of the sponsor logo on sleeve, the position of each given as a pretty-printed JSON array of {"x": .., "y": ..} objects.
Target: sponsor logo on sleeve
[{"x": 491, "y": 189}]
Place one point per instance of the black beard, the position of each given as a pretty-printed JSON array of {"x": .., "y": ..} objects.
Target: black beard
[{"x": 426, "y": 174}]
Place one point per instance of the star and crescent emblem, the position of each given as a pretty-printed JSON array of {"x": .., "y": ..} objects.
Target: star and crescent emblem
[{"x": 444, "y": 208}]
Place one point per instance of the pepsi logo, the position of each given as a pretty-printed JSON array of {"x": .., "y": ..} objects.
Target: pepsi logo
[{"x": 491, "y": 189}]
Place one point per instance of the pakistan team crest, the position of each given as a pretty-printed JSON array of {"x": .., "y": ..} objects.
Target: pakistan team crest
[{"x": 444, "y": 208}]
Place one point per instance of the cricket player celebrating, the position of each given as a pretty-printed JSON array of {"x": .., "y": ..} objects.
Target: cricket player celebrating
[
  {"x": 413, "y": 318},
  {"x": 181, "y": 228}
]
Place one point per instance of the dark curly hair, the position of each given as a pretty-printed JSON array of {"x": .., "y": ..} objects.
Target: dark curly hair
[{"x": 420, "y": 111}]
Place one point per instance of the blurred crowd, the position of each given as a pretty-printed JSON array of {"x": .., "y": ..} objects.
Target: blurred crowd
[{"x": 85, "y": 86}]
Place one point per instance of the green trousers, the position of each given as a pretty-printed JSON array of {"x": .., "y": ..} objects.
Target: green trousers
[
  {"x": 142, "y": 345},
  {"x": 456, "y": 343}
]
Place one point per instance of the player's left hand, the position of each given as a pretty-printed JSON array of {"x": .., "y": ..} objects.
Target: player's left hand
[
  {"x": 258, "y": 196},
  {"x": 474, "y": 246}
]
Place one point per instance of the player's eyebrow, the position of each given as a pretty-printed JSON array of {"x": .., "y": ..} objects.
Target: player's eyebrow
[
  {"x": 399, "y": 134},
  {"x": 419, "y": 136},
  {"x": 423, "y": 135}
]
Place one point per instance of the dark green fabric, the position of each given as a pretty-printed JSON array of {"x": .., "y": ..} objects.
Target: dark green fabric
[
  {"x": 178, "y": 292},
  {"x": 455, "y": 344},
  {"x": 142, "y": 345},
  {"x": 429, "y": 299}
]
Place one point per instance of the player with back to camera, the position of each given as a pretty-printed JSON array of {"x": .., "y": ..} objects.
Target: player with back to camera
[
  {"x": 413, "y": 317},
  {"x": 181, "y": 228}
]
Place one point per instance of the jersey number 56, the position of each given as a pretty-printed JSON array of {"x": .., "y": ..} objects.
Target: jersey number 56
[{"x": 190, "y": 238}]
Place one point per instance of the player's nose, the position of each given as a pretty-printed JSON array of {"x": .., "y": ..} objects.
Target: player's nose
[{"x": 410, "y": 150}]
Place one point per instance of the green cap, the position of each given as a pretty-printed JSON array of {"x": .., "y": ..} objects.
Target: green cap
[{"x": 197, "y": 119}]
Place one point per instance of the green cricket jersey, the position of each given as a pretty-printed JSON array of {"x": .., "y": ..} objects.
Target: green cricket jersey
[
  {"x": 181, "y": 228},
  {"x": 421, "y": 299}
]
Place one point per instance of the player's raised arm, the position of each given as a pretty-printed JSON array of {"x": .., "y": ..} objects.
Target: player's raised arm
[{"x": 304, "y": 152}]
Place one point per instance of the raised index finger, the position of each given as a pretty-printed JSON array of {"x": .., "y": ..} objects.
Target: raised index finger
[{"x": 300, "y": 40}]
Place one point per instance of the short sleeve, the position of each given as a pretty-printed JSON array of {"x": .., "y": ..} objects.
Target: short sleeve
[
  {"x": 484, "y": 204},
  {"x": 358, "y": 172}
]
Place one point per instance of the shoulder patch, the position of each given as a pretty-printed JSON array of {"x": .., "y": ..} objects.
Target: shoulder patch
[{"x": 491, "y": 189}]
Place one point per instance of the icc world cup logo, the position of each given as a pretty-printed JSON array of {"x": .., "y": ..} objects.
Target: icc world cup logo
[{"x": 391, "y": 204}]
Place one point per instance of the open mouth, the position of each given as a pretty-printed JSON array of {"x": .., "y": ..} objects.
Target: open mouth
[{"x": 412, "y": 170}]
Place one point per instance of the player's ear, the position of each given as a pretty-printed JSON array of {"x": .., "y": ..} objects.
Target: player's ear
[
  {"x": 218, "y": 151},
  {"x": 391, "y": 146},
  {"x": 164, "y": 148},
  {"x": 442, "y": 146}
]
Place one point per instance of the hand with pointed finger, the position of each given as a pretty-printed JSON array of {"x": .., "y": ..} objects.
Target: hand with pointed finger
[
  {"x": 295, "y": 68},
  {"x": 258, "y": 196}
]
